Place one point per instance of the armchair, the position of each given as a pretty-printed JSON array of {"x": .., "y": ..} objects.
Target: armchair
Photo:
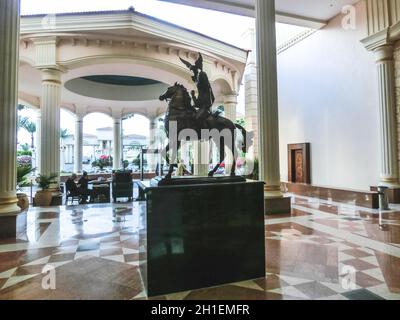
[{"x": 122, "y": 185}]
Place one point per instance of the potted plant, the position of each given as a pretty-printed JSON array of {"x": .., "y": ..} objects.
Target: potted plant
[
  {"x": 102, "y": 162},
  {"x": 22, "y": 172},
  {"x": 254, "y": 175},
  {"x": 125, "y": 164},
  {"x": 44, "y": 196}
]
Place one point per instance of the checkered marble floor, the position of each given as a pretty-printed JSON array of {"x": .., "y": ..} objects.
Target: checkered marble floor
[{"x": 322, "y": 250}]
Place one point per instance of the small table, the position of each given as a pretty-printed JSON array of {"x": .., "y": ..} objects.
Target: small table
[{"x": 101, "y": 189}]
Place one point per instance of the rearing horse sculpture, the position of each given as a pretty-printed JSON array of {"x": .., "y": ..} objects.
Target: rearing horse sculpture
[{"x": 183, "y": 114}]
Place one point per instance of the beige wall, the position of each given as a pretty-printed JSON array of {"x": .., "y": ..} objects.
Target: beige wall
[{"x": 328, "y": 97}]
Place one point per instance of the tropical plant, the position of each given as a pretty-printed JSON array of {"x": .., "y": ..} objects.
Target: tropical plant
[
  {"x": 241, "y": 122},
  {"x": 136, "y": 161},
  {"x": 30, "y": 127},
  {"x": 24, "y": 153},
  {"x": 21, "y": 122},
  {"x": 125, "y": 164},
  {"x": 255, "y": 174},
  {"x": 102, "y": 162},
  {"x": 25, "y": 147},
  {"x": 22, "y": 173},
  {"x": 64, "y": 133},
  {"x": 44, "y": 181}
]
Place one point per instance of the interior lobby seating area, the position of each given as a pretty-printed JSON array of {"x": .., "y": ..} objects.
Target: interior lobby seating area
[{"x": 257, "y": 162}]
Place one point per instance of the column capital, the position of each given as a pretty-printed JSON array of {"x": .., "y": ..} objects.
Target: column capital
[
  {"x": 79, "y": 117},
  {"x": 117, "y": 115},
  {"x": 384, "y": 53},
  {"x": 231, "y": 98},
  {"x": 51, "y": 75}
]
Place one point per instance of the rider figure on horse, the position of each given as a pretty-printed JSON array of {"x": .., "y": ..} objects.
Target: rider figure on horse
[{"x": 206, "y": 97}]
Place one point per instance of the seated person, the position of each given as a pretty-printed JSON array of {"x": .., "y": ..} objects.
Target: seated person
[
  {"x": 71, "y": 187},
  {"x": 84, "y": 187}
]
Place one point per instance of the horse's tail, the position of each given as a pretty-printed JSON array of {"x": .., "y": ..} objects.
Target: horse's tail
[{"x": 247, "y": 138}]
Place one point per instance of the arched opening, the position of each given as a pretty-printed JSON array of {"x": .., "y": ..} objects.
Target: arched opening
[
  {"x": 135, "y": 138},
  {"x": 97, "y": 142},
  {"x": 67, "y": 141},
  {"x": 27, "y": 142}
]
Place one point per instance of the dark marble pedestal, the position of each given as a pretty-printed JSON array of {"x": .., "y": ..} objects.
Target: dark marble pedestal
[
  {"x": 12, "y": 225},
  {"x": 197, "y": 236},
  {"x": 277, "y": 206}
]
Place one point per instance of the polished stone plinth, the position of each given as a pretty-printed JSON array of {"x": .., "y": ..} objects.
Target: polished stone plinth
[
  {"x": 281, "y": 205},
  {"x": 12, "y": 225},
  {"x": 196, "y": 236},
  {"x": 189, "y": 180}
]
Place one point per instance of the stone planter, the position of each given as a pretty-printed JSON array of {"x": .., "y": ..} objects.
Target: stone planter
[
  {"x": 23, "y": 201},
  {"x": 43, "y": 198}
]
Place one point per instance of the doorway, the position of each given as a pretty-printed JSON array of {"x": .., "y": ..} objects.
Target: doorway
[{"x": 299, "y": 163}]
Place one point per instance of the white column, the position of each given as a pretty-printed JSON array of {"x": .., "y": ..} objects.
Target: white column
[
  {"x": 201, "y": 155},
  {"x": 38, "y": 142},
  {"x": 152, "y": 158},
  {"x": 50, "y": 122},
  {"x": 387, "y": 108},
  {"x": 268, "y": 97},
  {"x": 9, "y": 44},
  {"x": 185, "y": 156},
  {"x": 78, "y": 149},
  {"x": 250, "y": 89},
  {"x": 63, "y": 157},
  {"x": 117, "y": 140},
  {"x": 230, "y": 103}
]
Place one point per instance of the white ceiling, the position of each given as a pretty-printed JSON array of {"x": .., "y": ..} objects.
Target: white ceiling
[{"x": 306, "y": 10}]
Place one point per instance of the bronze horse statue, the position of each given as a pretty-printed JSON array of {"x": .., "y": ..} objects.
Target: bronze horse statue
[{"x": 181, "y": 111}]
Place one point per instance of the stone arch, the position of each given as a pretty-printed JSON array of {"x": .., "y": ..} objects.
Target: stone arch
[{"x": 221, "y": 87}]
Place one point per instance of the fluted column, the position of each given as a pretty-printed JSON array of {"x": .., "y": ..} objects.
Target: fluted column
[
  {"x": 389, "y": 175},
  {"x": 38, "y": 142},
  {"x": 117, "y": 141},
  {"x": 50, "y": 122},
  {"x": 78, "y": 148},
  {"x": 9, "y": 43},
  {"x": 230, "y": 103},
  {"x": 250, "y": 89},
  {"x": 268, "y": 97}
]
